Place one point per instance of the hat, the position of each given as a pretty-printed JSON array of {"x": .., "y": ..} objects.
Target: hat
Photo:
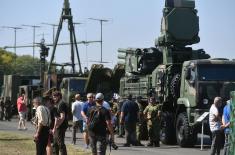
[
  {"x": 116, "y": 96},
  {"x": 99, "y": 96}
]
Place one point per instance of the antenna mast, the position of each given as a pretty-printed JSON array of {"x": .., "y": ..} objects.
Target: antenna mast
[{"x": 67, "y": 15}]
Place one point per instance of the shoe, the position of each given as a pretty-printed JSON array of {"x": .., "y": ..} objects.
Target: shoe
[
  {"x": 114, "y": 146},
  {"x": 139, "y": 144},
  {"x": 126, "y": 145},
  {"x": 25, "y": 129},
  {"x": 150, "y": 144},
  {"x": 156, "y": 144},
  {"x": 86, "y": 146}
]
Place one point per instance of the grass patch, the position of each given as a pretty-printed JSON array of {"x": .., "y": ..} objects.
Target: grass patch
[{"x": 17, "y": 144}]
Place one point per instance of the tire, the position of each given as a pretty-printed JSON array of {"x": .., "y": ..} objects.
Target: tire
[
  {"x": 184, "y": 134},
  {"x": 175, "y": 86},
  {"x": 167, "y": 131}
]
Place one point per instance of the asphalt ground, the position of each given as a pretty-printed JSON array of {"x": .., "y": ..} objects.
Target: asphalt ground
[{"x": 11, "y": 126}]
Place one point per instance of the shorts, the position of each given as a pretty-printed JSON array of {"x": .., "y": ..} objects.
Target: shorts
[{"x": 22, "y": 115}]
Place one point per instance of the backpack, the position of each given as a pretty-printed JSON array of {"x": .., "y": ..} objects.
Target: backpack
[{"x": 94, "y": 118}]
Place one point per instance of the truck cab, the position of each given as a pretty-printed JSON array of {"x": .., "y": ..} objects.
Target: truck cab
[{"x": 201, "y": 82}]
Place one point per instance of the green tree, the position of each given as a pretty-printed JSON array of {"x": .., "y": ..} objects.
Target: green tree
[
  {"x": 26, "y": 65},
  {"x": 6, "y": 62},
  {"x": 22, "y": 65}
]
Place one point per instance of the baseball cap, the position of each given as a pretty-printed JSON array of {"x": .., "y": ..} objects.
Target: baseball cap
[{"x": 99, "y": 96}]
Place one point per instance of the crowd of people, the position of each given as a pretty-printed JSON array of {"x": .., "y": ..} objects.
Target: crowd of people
[
  {"x": 96, "y": 118},
  {"x": 98, "y": 121},
  {"x": 219, "y": 121},
  {"x": 120, "y": 117}
]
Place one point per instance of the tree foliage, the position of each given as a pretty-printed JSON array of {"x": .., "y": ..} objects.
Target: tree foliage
[{"x": 22, "y": 65}]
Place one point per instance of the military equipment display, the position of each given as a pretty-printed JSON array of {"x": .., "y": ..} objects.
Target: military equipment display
[{"x": 183, "y": 79}]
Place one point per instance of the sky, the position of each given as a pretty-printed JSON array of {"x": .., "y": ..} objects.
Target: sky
[{"x": 132, "y": 23}]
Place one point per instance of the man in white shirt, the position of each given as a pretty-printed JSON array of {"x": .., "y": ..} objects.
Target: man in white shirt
[
  {"x": 77, "y": 117},
  {"x": 215, "y": 126},
  {"x": 42, "y": 123}
]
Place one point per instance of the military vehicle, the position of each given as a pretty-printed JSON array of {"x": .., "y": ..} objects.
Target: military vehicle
[
  {"x": 98, "y": 79},
  {"x": 183, "y": 79},
  {"x": 13, "y": 86}
]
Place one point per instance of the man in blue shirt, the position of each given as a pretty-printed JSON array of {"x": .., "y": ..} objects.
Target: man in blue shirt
[
  {"x": 129, "y": 116},
  {"x": 87, "y": 105},
  {"x": 226, "y": 123}
]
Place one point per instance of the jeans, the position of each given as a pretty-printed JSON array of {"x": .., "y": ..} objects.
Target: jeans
[
  {"x": 41, "y": 143},
  {"x": 58, "y": 142},
  {"x": 216, "y": 142},
  {"x": 77, "y": 125},
  {"x": 226, "y": 144},
  {"x": 130, "y": 131},
  {"x": 98, "y": 144}
]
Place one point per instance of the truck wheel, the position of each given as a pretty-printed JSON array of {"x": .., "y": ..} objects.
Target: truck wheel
[
  {"x": 167, "y": 134},
  {"x": 175, "y": 86},
  {"x": 184, "y": 135}
]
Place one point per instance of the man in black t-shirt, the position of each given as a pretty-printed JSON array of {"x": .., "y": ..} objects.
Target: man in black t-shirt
[
  {"x": 60, "y": 125},
  {"x": 98, "y": 134}
]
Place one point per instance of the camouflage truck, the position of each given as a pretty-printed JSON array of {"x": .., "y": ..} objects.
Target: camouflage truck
[{"x": 185, "y": 80}]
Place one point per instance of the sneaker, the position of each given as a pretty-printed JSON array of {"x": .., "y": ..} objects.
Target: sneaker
[
  {"x": 25, "y": 129},
  {"x": 86, "y": 147}
]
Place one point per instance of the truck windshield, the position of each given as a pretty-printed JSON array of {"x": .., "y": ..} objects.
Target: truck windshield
[
  {"x": 77, "y": 85},
  {"x": 219, "y": 72}
]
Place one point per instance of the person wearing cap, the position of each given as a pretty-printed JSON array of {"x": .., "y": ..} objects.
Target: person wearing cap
[
  {"x": 60, "y": 125},
  {"x": 86, "y": 106},
  {"x": 114, "y": 109},
  {"x": 77, "y": 117},
  {"x": 152, "y": 114},
  {"x": 99, "y": 133},
  {"x": 215, "y": 126},
  {"x": 129, "y": 117}
]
